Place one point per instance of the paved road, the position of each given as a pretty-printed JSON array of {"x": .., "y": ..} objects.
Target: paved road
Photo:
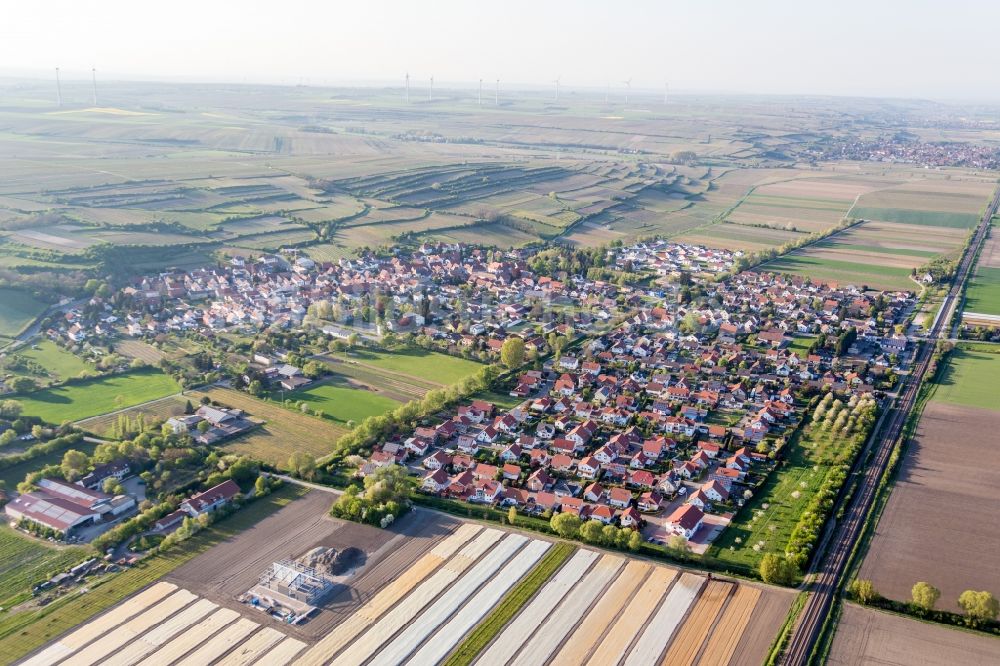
[{"x": 833, "y": 565}]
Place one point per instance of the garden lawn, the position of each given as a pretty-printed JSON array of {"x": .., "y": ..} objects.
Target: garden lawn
[
  {"x": 970, "y": 378},
  {"x": 801, "y": 343},
  {"x": 21, "y": 633},
  {"x": 775, "y": 504},
  {"x": 432, "y": 366},
  {"x": 56, "y": 360},
  {"x": 983, "y": 293},
  {"x": 84, "y": 399},
  {"x": 25, "y": 561},
  {"x": 344, "y": 403},
  {"x": 17, "y": 310}
]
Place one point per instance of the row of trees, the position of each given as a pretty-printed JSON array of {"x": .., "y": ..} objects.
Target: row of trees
[
  {"x": 980, "y": 606},
  {"x": 570, "y": 526}
]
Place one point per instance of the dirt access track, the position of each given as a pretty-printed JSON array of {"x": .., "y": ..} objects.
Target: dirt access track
[
  {"x": 939, "y": 525},
  {"x": 233, "y": 567},
  {"x": 867, "y": 636}
]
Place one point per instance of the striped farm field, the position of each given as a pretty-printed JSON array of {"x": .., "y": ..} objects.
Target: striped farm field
[
  {"x": 878, "y": 254},
  {"x": 485, "y": 597},
  {"x": 478, "y": 595}
]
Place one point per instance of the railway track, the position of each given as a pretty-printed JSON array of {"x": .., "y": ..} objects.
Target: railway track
[{"x": 836, "y": 558}]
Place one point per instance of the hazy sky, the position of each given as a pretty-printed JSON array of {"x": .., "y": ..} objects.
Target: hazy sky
[{"x": 921, "y": 48}]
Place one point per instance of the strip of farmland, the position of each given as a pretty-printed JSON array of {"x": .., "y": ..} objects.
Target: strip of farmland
[
  {"x": 664, "y": 623},
  {"x": 532, "y": 616},
  {"x": 722, "y": 643},
  {"x": 435, "y": 649},
  {"x": 192, "y": 638},
  {"x": 689, "y": 639},
  {"x": 222, "y": 642},
  {"x": 88, "y": 632},
  {"x": 405, "y": 611},
  {"x": 621, "y": 635},
  {"x": 124, "y": 634},
  {"x": 389, "y": 596},
  {"x": 159, "y": 635},
  {"x": 248, "y": 652},
  {"x": 589, "y": 632},
  {"x": 403, "y": 645},
  {"x": 550, "y": 634},
  {"x": 283, "y": 652}
]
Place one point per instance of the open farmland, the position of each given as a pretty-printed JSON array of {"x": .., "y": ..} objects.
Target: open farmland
[
  {"x": 943, "y": 505},
  {"x": 867, "y": 636},
  {"x": 939, "y": 203},
  {"x": 594, "y": 608},
  {"x": 284, "y": 432},
  {"x": 91, "y": 397},
  {"x": 982, "y": 295},
  {"x": 878, "y": 254}
]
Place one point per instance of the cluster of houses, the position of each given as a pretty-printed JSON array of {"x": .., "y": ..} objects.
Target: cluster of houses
[
  {"x": 666, "y": 258},
  {"x": 677, "y": 407},
  {"x": 453, "y": 293}
]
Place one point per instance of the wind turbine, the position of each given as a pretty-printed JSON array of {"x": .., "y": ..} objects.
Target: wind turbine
[
  {"x": 607, "y": 93},
  {"x": 407, "y": 94},
  {"x": 430, "y": 91},
  {"x": 666, "y": 91},
  {"x": 498, "y": 93},
  {"x": 93, "y": 74},
  {"x": 557, "y": 87},
  {"x": 628, "y": 89},
  {"x": 480, "y": 92},
  {"x": 58, "y": 89}
]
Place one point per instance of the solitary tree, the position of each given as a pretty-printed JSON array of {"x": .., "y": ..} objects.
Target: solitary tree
[
  {"x": 925, "y": 595},
  {"x": 864, "y": 590},
  {"x": 979, "y": 606},
  {"x": 302, "y": 465},
  {"x": 512, "y": 352},
  {"x": 566, "y": 525},
  {"x": 512, "y": 515},
  {"x": 73, "y": 464},
  {"x": 777, "y": 570}
]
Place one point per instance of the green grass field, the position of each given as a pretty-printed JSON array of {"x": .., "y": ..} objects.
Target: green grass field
[
  {"x": 17, "y": 310},
  {"x": 56, "y": 360},
  {"x": 344, "y": 403},
  {"x": 801, "y": 343},
  {"x": 983, "y": 293},
  {"x": 97, "y": 396},
  {"x": 432, "y": 366},
  {"x": 970, "y": 379},
  {"x": 25, "y": 561},
  {"x": 21, "y": 633},
  {"x": 843, "y": 272},
  {"x": 931, "y": 218}
]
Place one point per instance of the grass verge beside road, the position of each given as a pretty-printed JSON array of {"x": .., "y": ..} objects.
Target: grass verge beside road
[{"x": 490, "y": 627}]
